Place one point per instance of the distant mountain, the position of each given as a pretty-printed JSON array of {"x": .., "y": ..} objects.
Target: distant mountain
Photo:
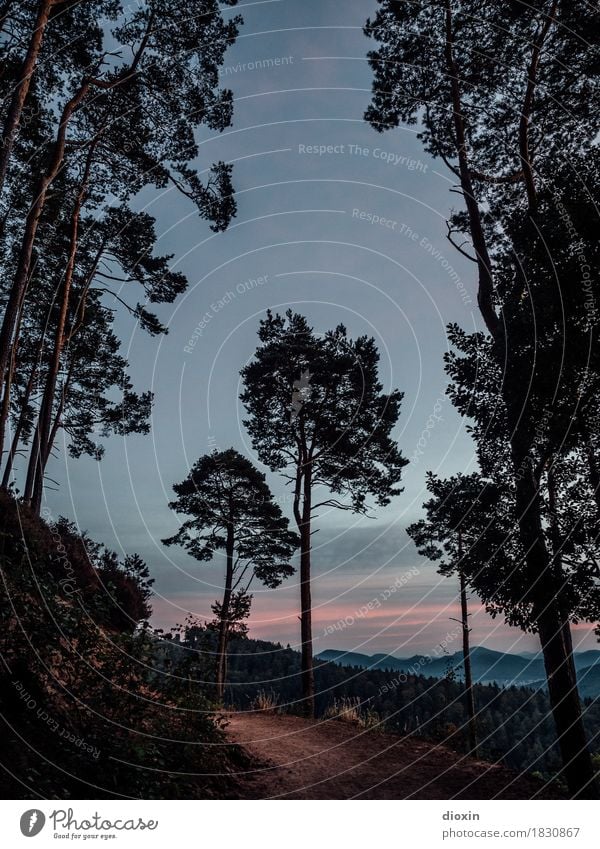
[
  {"x": 488, "y": 666},
  {"x": 589, "y": 682}
]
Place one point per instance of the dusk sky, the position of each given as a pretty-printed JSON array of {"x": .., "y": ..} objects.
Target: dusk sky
[{"x": 345, "y": 226}]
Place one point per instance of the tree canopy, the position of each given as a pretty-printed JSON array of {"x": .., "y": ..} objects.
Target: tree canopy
[
  {"x": 504, "y": 94},
  {"x": 231, "y": 511},
  {"x": 319, "y": 416}
]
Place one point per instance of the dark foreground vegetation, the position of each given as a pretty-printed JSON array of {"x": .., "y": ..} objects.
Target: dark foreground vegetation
[
  {"x": 95, "y": 704},
  {"x": 84, "y": 714}
]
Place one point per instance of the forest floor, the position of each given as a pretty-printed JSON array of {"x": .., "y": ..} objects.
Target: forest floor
[{"x": 294, "y": 758}]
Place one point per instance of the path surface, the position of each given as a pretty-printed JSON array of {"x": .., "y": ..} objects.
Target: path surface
[{"x": 294, "y": 758}]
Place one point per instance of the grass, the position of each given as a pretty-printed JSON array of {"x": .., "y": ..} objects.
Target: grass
[
  {"x": 266, "y": 702},
  {"x": 350, "y": 710}
]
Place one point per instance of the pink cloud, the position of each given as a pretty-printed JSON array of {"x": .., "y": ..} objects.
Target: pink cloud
[{"x": 394, "y": 628}]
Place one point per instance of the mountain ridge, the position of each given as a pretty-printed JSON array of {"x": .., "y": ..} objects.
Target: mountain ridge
[{"x": 488, "y": 666}]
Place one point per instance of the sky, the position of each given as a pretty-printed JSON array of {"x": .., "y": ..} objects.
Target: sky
[{"x": 346, "y": 226}]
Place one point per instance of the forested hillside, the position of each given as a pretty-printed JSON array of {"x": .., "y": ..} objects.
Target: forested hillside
[
  {"x": 515, "y": 725},
  {"x": 488, "y": 666}
]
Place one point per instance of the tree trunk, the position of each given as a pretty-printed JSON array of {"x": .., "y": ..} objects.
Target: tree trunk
[
  {"x": 19, "y": 428},
  {"x": 38, "y": 484},
  {"x": 41, "y": 447},
  {"x": 32, "y": 467},
  {"x": 525, "y": 151},
  {"x": 469, "y": 694},
  {"x": 224, "y": 623},
  {"x": 578, "y": 769},
  {"x": 21, "y": 90},
  {"x": 26, "y": 396},
  {"x": 564, "y": 697},
  {"x": 19, "y": 286},
  {"x": 307, "y": 673},
  {"x": 5, "y": 407},
  {"x": 18, "y": 431},
  {"x": 21, "y": 279},
  {"x": 485, "y": 289},
  {"x": 554, "y": 633},
  {"x": 8, "y": 380},
  {"x": 30, "y": 491}
]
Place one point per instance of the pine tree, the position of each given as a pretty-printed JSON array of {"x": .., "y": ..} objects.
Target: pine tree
[
  {"x": 318, "y": 415},
  {"x": 232, "y": 510},
  {"x": 454, "y": 533},
  {"x": 502, "y": 94},
  {"x": 112, "y": 121}
]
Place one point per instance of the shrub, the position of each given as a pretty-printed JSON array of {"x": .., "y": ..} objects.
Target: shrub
[{"x": 88, "y": 710}]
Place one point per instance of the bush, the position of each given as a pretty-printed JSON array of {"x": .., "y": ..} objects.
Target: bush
[{"x": 89, "y": 706}]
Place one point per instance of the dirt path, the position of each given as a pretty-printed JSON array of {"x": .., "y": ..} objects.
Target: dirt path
[{"x": 295, "y": 758}]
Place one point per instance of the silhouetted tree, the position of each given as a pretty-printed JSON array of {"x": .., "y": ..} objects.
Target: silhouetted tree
[
  {"x": 453, "y": 533},
  {"x": 318, "y": 415},
  {"x": 502, "y": 93},
  {"x": 83, "y": 353},
  {"x": 125, "y": 105},
  {"x": 232, "y": 510}
]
